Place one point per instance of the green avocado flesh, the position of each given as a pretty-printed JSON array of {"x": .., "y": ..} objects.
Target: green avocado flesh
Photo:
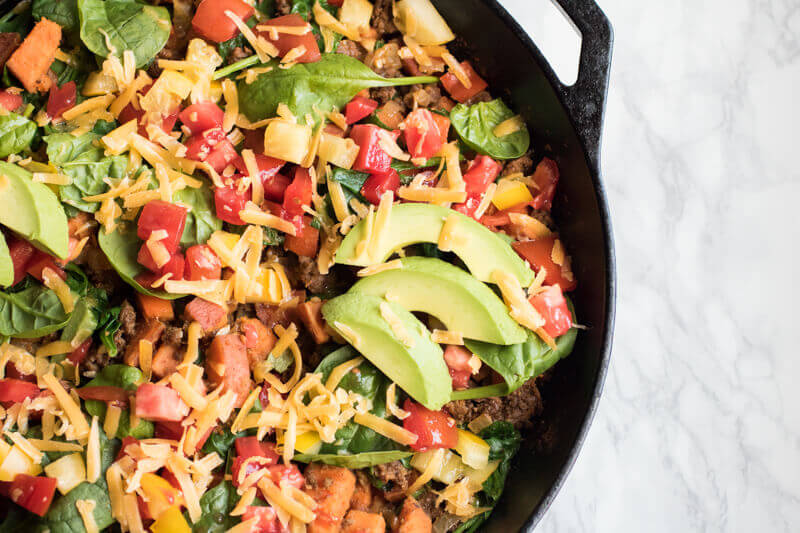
[
  {"x": 6, "y": 265},
  {"x": 454, "y": 297},
  {"x": 32, "y": 210},
  {"x": 418, "y": 368},
  {"x": 477, "y": 246}
]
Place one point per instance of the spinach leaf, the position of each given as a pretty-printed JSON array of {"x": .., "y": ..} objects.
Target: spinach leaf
[
  {"x": 304, "y": 8},
  {"x": 83, "y": 319},
  {"x": 201, "y": 221},
  {"x": 351, "y": 182},
  {"x": 358, "y": 460},
  {"x": 86, "y": 164},
  {"x": 62, "y": 12},
  {"x": 217, "y": 504},
  {"x": 121, "y": 247},
  {"x": 239, "y": 41},
  {"x": 15, "y": 519},
  {"x": 125, "y": 377},
  {"x": 32, "y": 312},
  {"x": 329, "y": 83},
  {"x": 108, "y": 325},
  {"x": 16, "y": 134},
  {"x": 128, "y": 24},
  {"x": 475, "y": 126},
  {"x": 221, "y": 441},
  {"x": 17, "y": 20},
  {"x": 267, "y": 7},
  {"x": 517, "y": 363}
]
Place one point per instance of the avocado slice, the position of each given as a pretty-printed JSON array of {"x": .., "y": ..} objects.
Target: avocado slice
[
  {"x": 6, "y": 265},
  {"x": 32, "y": 210},
  {"x": 453, "y": 296},
  {"x": 417, "y": 367},
  {"x": 482, "y": 250}
]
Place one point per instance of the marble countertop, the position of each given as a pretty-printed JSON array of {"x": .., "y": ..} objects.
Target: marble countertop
[{"x": 699, "y": 425}]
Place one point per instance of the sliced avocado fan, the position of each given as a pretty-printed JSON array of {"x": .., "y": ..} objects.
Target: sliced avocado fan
[
  {"x": 6, "y": 265},
  {"x": 32, "y": 210},
  {"x": 454, "y": 297},
  {"x": 477, "y": 246},
  {"x": 394, "y": 341}
]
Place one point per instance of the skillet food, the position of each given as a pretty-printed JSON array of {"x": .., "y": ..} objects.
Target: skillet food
[{"x": 265, "y": 268}]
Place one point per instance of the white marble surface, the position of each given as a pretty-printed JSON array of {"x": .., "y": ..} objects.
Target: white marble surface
[{"x": 699, "y": 427}]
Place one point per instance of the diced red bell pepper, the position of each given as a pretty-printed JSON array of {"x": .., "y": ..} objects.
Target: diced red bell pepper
[
  {"x": 123, "y": 449},
  {"x": 263, "y": 395},
  {"x": 457, "y": 360},
  {"x": 104, "y": 394},
  {"x": 247, "y": 447},
  {"x": 358, "y": 108},
  {"x": 371, "y": 157},
  {"x": 377, "y": 184},
  {"x": 229, "y": 201},
  {"x": 422, "y": 134},
  {"x": 34, "y": 493},
  {"x": 159, "y": 403},
  {"x": 202, "y": 116},
  {"x": 434, "y": 429},
  {"x": 211, "y": 22},
  {"x": 21, "y": 252},
  {"x": 287, "y": 41},
  {"x": 298, "y": 193},
  {"x": 444, "y": 125},
  {"x": 273, "y": 182},
  {"x": 267, "y": 519},
  {"x": 212, "y": 147},
  {"x": 129, "y": 113},
  {"x": 174, "y": 266},
  {"x": 481, "y": 173},
  {"x": 146, "y": 279},
  {"x": 41, "y": 261},
  {"x": 202, "y": 263},
  {"x": 546, "y": 179},
  {"x": 79, "y": 354},
  {"x": 551, "y": 304},
  {"x": 457, "y": 90},
  {"x": 10, "y": 101},
  {"x": 145, "y": 258},
  {"x": 306, "y": 242},
  {"x": 16, "y": 391},
  {"x": 160, "y": 215},
  {"x": 169, "y": 430},
  {"x": 539, "y": 253},
  {"x": 61, "y": 99},
  {"x": 14, "y": 373}
]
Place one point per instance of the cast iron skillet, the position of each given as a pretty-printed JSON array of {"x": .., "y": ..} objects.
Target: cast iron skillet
[{"x": 566, "y": 124}]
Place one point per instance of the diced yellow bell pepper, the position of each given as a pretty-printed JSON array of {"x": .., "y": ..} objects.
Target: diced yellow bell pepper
[
  {"x": 171, "y": 521},
  {"x": 69, "y": 472},
  {"x": 161, "y": 495},
  {"x": 510, "y": 193},
  {"x": 175, "y": 83},
  {"x": 309, "y": 443},
  {"x": 287, "y": 141},
  {"x": 216, "y": 91},
  {"x": 16, "y": 462},
  {"x": 474, "y": 451}
]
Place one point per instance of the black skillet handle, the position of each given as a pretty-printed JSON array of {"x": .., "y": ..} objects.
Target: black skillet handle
[{"x": 586, "y": 99}]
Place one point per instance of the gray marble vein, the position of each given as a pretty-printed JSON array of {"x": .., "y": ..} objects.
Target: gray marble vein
[{"x": 699, "y": 427}]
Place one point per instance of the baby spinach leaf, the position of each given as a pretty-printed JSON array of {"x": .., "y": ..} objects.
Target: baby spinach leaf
[
  {"x": 221, "y": 441},
  {"x": 329, "y": 83},
  {"x": 17, "y": 20},
  {"x": 226, "y": 47},
  {"x": 16, "y": 134},
  {"x": 86, "y": 164},
  {"x": 121, "y": 247},
  {"x": 216, "y": 505},
  {"x": 125, "y": 377},
  {"x": 62, "y": 12},
  {"x": 127, "y": 24},
  {"x": 32, "y": 312},
  {"x": 107, "y": 327},
  {"x": 83, "y": 318},
  {"x": 351, "y": 182},
  {"x": 304, "y": 8},
  {"x": 358, "y": 460},
  {"x": 201, "y": 221},
  {"x": 475, "y": 126}
]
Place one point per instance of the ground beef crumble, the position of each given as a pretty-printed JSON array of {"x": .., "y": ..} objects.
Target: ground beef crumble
[
  {"x": 518, "y": 407},
  {"x": 394, "y": 478},
  {"x": 382, "y": 19}
]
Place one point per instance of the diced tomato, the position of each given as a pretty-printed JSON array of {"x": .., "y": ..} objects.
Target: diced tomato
[
  {"x": 160, "y": 215},
  {"x": 337, "y": 3},
  {"x": 146, "y": 279},
  {"x": 34, "y": 493},
  {"x": 358, "y": 108},
  {"x": 202, "y": 116},
  {"x": 267, "y": 520},
  {"x": 263, "y": 395},
  {"x": 457, "y": 90},
  {"x": 481, "y": 173},
  {"x": 434, "y": 429},
  {"x": 39, "y": 262},
  {"x": 274, "y": 184},
  {"x": 457, "y": 360},
  {"x": 145, "y": 258},
  {"x": 290, "y": 475},
  {"x": 287, "y": 41},
  {"x": 539, "y": 253},
  {"x": 212, "y": 147},
  {"x": 552, "y": 305},
  {"x": 159, "y": 403},
  {"x": 229, "y": 201},
  {"x": 104, "y": 394},
  {"x": 202, "y": 263},
  {"x": 443, "y": 122},
  {"x": 298, "y": 193},
  {"x": 546, "y": 179},
  {"x": 14, "y": 373},
  {"x": 61, "y": 99},
  {"x": 79, "y": 354},
  {"x": 371, "y": 157},
  {"x": 15, "y": 390},
  {"x": 168, "y": 430},
  {"x": 10, "y": 101},
  {"x": 247, "y": 447},
  {"x": 123, "y": 449},
  {"x": 422, "y": 134},
  {"x": 174, "y": 266},
  {"x": 211, "y": 22},
  {"x": 306, "y": 242},
  {"x": 129, "y": 113},
  {"x": 377, "y": 184},
  {"x": 21, "y": 252}
]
